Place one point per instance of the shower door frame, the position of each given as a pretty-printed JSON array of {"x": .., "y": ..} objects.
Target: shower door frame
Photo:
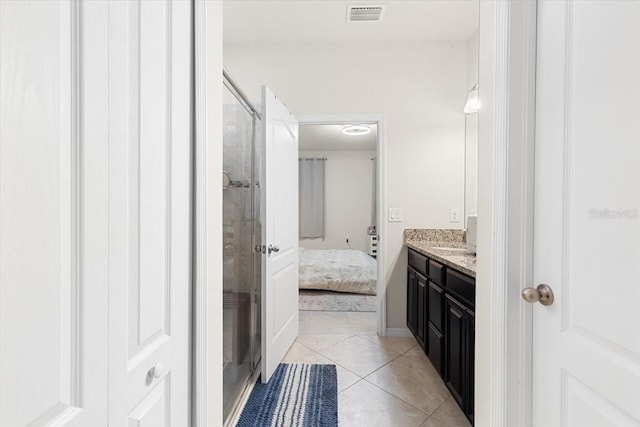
[
  {"x": 255, "y": 320},
  {"x": 381, "y": 194}
]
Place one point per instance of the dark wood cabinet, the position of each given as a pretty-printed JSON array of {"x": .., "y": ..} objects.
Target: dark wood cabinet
[
  {"x": 436, "y": 300},
  {"x": 440, "y": 314},
  {"x": 412, "y": 309},
  {"x": 436, "y": 272},
  {"x": 417, "y": 297},
  {"x": 436, "y": 348},
  {"x": 422, "y": 312},
  {"x": 454, "y": 345},
  {"x": 471, "y": 354},
  {"x": 436, "y": 326},
  {"x": 459, "y": 353}
]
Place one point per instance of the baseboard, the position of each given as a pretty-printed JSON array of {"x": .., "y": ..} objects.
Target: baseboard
[{"x": 399, "y": 332}]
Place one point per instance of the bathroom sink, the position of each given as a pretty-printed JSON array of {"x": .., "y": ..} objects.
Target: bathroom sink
[{"x": 443, "y": 248}]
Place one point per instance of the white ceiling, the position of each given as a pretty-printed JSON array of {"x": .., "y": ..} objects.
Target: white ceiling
[
  {"x": 331, "y": 138},
  {"x": 323, "y": 21}
]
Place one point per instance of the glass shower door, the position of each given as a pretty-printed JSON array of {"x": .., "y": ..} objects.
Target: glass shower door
[{"x": 239, "y": 257}]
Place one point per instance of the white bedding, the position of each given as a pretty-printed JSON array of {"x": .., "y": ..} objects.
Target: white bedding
[{"x": 338, "y": 270}]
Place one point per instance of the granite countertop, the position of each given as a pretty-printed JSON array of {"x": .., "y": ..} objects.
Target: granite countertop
[{"x": 430, "y": 242}]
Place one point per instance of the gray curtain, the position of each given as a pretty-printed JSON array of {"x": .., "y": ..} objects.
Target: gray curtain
[{"x": 311, "y": 188}]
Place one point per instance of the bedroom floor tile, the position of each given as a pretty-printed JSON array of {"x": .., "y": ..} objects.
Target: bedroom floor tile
[
  {"x": 413, "y": 380},
  {"x": 359, "y": 355},
  {"x": 364, "y": 404}
]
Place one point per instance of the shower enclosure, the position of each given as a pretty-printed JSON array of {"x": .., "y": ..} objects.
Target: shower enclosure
[{"x": 241, "y": 235}]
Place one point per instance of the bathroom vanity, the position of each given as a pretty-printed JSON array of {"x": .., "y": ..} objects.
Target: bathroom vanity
[{"x": 440, "y": 311}]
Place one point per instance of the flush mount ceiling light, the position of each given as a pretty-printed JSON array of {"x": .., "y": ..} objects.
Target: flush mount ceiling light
[
  {"x": 356, "y": 130},
  {"x": 473, "y": 101}
]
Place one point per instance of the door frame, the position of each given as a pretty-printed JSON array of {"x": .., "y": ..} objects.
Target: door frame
[
  {"x": 381, "y": 194},
  {"x": 505, "y": 196},
  {"x": 503, "y": 326},
  {"x": 207, "y": 332}
]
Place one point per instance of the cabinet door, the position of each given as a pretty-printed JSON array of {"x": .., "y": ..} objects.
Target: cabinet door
[
  {"x": 459, "y": 353},
  {"x": 411, "y": 300},
  {"x": 436, "y": 295},
  {"x": 469, "y": 328},
  {"x": 454, "y": 348},
  {"x": 423, "y": 308},
  {"x": 435, "y": 341}
]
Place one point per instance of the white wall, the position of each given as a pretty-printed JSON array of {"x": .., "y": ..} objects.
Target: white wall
[
  {"x": 348, "y": 188},
  {"x": 420, "y": 88}
]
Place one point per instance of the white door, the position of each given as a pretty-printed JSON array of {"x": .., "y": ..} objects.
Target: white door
[
  {"x": 53, "y": 222},
  {"x": 586, "y": 360},
  {"x": 280, "y": 232},
  {"x": 149, "y": 213}
]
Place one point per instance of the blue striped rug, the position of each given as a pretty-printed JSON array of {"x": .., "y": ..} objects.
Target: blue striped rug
[{"x": 298, "y": 395}]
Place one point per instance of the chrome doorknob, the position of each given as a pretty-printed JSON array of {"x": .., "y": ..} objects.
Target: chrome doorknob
[
  {"x": 157, "y": 371},
  {"x": 542, "y": 294},
  {"x": 272, "y": 248}
]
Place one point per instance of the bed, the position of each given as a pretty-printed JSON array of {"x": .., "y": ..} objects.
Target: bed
[{"x": 338, "y": 270}]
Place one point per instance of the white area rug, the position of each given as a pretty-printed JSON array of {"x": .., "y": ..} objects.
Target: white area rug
[{"x": 335, "y": 301}]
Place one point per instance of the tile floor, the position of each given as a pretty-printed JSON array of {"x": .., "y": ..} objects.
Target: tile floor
[{"x": 381, "y": 381}]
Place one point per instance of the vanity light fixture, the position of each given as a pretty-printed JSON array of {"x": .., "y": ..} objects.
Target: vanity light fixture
[
  {"x": 473, "y": 101},
  {"x": 356, "y": 130}
]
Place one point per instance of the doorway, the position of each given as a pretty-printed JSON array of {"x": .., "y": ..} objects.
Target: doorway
[{"x": 353, "y": 187}]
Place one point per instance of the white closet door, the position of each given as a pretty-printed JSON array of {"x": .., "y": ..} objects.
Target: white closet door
[
  {"x": 149, "y": 212},
  {"x": 53, "y": 214}
]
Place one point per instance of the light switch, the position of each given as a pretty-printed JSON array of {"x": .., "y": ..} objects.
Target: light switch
[{"x": 395, "y": 214}]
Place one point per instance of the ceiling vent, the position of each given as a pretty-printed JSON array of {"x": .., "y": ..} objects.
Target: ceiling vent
[{"x": 365, "y": 13}]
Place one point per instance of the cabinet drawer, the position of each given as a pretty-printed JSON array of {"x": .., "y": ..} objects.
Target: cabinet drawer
[
  {"x": 436, "y": 295},
  {"x": 436, "y": 272},
  {"x": 436, "y": 348},
  {"x": 464, "y": 287},
  {"x": 418, "y": 262}
]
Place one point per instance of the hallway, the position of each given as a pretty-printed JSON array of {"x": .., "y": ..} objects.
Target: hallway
[{"x": 382, "y": 381}]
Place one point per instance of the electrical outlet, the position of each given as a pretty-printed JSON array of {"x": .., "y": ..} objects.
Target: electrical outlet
[{"x": 455, "y": 215}]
